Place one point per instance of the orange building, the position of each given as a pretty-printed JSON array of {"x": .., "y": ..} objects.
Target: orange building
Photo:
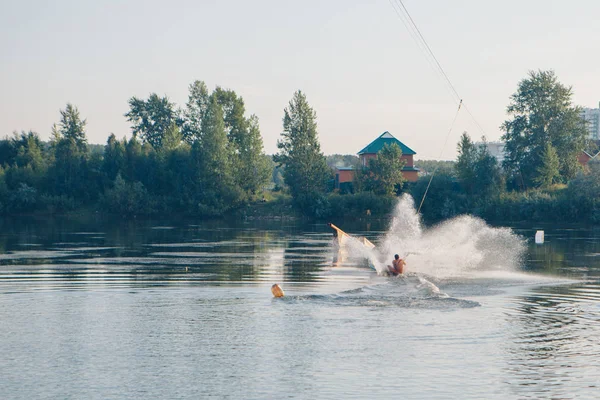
[{"x": 409, "y": 171}]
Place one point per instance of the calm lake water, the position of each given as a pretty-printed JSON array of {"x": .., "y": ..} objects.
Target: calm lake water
[{"x": 110, "y": 309}]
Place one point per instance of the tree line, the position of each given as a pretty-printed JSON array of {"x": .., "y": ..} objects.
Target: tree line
[
  {"x": 540, "y": 177},
  {"x": 207, "y": 159}
]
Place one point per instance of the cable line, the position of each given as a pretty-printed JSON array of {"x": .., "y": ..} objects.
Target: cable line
[
  {"x": 443, "y": 147},
  {"x": 412, "y": 21},
  {"x": 418, "y": 37}
]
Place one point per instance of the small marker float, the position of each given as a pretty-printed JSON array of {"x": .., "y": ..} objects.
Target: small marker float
[{"x": 277, "y": 291}]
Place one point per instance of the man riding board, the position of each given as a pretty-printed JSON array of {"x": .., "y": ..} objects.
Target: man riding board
[{"x": 397, "y": 266}]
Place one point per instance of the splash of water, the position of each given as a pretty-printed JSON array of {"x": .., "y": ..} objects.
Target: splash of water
[{"x": 458, "y": 247}]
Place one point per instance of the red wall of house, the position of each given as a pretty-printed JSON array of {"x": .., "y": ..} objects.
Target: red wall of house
[
  {"x": 583, "y": 158},
  {"x": 364, "y": 158},
  {"x": 411, "y": 176},
  {"x": 345, "y": 176}
]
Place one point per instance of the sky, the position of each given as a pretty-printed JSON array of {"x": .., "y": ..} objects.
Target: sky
[{"x": 359, "y": 66}]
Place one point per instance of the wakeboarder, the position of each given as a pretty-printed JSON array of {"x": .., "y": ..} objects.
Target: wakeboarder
[{"x": 397, "y": 267}]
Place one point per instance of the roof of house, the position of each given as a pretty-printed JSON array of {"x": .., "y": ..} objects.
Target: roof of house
[{"x": 385, "y": 138}]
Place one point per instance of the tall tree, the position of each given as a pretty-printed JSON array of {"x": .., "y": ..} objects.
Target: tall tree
[
  {"x": 114, "y": 157},
  {"x": 27, "y": 165},
  {"x": 196, "y": 107},
  {"x": 478, "y": 171},
  {"x": 72, "y": 127},
  {"x": 253, "y": 167},
  {"x": 29, "y": 150},
  {"x": 541, "y": 112},
  {"x": 212, "y": 160},
  {"x": 548, "y": 171},
  {"x": 151, "y": 118},
  {"x": 306, "y": 171},
  {"x": 488, "y": 178},
  {"x": 248, "y": 161},
  {"x": 234, "y": 109},
  {"x": 172, "y": 138},
  {"x": 465, "y": 163},
  {"x": 384, "y": 173},
  {"x": 69, "y": 169}
]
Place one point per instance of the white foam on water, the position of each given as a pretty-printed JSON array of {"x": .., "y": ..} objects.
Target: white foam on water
[{"x": 460, "y": 247}]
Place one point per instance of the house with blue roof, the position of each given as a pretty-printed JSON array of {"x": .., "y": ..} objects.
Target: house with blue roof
[{"x": 409, "y": 171}]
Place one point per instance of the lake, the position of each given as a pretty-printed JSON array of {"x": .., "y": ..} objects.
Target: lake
[{"x": 101, "y": 308}]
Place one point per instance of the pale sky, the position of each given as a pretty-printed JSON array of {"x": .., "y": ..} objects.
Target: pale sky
[{"x": 357, "y": 63}]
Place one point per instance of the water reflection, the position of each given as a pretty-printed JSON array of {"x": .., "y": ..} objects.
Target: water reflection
[
  {"x": 51, "y": 252},
  {"x": 550, "y": 328},
  {"x": 567, "y": 251}
]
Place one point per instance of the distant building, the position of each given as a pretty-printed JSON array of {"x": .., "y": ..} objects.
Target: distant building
[
  {"x": 592, "y": 116},
  {"x": 344, "y": 176},
  {"x": 496, "y": 149}
]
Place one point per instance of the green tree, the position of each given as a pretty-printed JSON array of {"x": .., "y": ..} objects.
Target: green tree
[
  {"x": 583, "y": 194},
  {"x": 127, "y": 198},
  {"x": 306, "y": 172},
  {"x": 8, "y": 153},
  {"x": 134, "y": 155},
  {"x": 151, "y": 118},
  {"x": 29, "y": 150},
  {"x": 477, "y": 170},
  {"x": 445, "y": 196},
  {"x": 548, "y": 172},
  {"x": 68, "y": 172},
  {"x": 72, "y": 127},
  {"x": 254, "y": 168},
  {"x": 215, "y": 149},
  {"x": 172, "y": 138},
  {"x": 212, "y": 163},
  {"x": 172, "y": 168},
  {"x": 28, "y": 165},
  {"x": 488, "y": 177},
  {"x": 248, "y": 162},
  {"x": 114, "y": 157},
  {"x": 3, "y": 189},
  {"x": 197, "y": 105},
  {"x": 69, "y": 169},
  {"x": 465, "y": 163},
  {"x": 234, "y": 109},
  {"x": 541, "y": 112},
  {"x": 384, "y": 176}
]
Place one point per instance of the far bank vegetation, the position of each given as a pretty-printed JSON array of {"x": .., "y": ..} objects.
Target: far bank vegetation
[{"x": 206, "y": 159}]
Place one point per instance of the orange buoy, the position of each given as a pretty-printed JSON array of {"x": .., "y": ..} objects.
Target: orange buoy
[{"x": 277, "y": 290}]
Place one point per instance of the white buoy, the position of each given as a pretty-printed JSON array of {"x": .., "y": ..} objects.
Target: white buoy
[{"x": 539, "y": 237}]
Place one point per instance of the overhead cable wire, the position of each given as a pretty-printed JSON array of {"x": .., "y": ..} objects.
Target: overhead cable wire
[
  {"x": 412, "y": 21},
  {"x": 417, "y": 38},
  {"x": 441, "y": 152},
  {"x": 416, "y": 34}
]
